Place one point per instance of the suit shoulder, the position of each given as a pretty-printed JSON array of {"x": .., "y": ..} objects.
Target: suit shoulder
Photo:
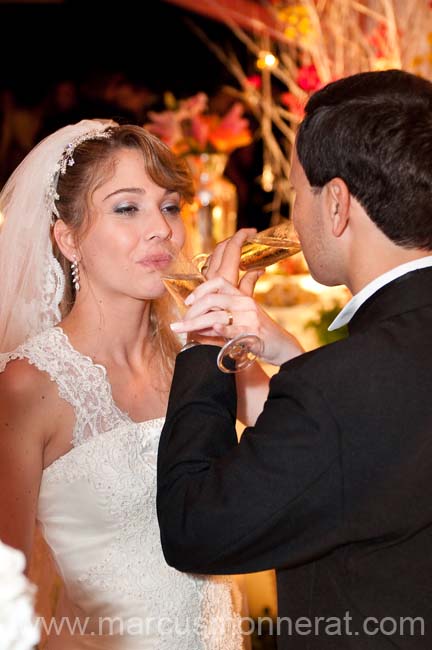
[
  {"x": 353, "y": 357},
  {"x": 330, "y": 353}
]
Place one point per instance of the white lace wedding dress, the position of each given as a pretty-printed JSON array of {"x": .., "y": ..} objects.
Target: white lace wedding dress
[{"x": 97, "y": 510}]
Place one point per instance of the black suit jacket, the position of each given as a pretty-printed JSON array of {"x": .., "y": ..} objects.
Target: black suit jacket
[{"x": 332, "y": 486}]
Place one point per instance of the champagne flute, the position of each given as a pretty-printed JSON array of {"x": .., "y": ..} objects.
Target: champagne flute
[
  {"x": 269, "y": 246},
  {"x": 265, "y": 248},
  {"x": 181, "y": 276}
]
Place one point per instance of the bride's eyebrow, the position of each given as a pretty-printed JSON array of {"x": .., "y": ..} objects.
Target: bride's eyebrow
[{"x": 134, "y": 190}]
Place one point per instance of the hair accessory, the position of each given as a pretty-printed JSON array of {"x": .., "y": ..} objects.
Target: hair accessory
[{"x": 66, "y": 160}]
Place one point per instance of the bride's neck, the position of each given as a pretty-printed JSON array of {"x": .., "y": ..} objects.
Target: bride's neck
[{"x": 117, "y": 332}]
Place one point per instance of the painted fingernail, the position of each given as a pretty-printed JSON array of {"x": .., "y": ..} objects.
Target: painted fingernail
[
  {"x": 176, "y": 327},
  {"x": 190, "y": 299}
]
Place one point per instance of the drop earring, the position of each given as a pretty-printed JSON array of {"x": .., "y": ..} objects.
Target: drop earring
[{"x": 75, "y": 274}]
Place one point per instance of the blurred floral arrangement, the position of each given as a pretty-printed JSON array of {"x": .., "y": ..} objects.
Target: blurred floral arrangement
[
  {"x": 301, "y": 45},
  {"x": 187, "y": 127}
]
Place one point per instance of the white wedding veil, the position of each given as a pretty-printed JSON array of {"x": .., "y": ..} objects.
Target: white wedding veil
[{"x": 31, "y": 280}]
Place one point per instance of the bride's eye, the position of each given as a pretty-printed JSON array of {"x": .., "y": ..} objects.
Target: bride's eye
[
  {"x": 171, "y": 209},
  {"x": 126, "y": 208}
]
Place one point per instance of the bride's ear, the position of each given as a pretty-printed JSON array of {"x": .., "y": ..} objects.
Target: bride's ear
[{"x": 65, "y": 239}]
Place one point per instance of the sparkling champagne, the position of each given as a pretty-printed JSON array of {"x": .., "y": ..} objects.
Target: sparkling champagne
[
  {"x": 262, "y": 251},
  {"x": 180, "y": 286}
]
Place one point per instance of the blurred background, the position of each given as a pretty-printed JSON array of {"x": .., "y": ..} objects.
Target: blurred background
[{"x": 66, "y": 60}]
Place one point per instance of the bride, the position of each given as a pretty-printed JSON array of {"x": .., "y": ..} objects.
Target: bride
[{"x": 83, "y": 393}]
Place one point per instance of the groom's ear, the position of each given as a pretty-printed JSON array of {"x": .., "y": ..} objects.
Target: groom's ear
[
  {"x": 66, "y": 240},
  {"x": 338, "y": 204}
]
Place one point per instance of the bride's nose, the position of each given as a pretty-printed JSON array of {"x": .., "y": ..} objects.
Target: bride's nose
[{"x": 160, "y": 228}]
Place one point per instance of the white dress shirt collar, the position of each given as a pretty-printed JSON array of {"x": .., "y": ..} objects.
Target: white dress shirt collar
[{"x": 359, "y": 298}]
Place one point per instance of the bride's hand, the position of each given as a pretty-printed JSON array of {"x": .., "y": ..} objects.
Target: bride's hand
[
  {"x": 224, "y": 307},
  {"x": 219, "y": 309},
  {"x": 223, "y": 262}
]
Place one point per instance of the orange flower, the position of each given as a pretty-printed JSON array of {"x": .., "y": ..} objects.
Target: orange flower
[
  {"x": 187, "y": 128},
  {"x": 231, "y": 132}
]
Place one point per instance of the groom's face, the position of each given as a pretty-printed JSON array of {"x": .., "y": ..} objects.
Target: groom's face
[{"x": 308, "y": 220}]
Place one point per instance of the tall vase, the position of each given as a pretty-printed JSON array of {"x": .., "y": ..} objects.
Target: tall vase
[{"x": 212, "y": 216}]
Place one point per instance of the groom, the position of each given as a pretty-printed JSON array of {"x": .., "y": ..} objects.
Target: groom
[{"x": 333, "y": 485}]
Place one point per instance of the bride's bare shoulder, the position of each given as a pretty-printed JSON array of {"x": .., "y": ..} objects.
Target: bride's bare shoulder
[{"x": 23, "y": 383}]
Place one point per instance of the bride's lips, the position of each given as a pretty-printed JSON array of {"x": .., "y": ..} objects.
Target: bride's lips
[{"x": 155, "y": 261}]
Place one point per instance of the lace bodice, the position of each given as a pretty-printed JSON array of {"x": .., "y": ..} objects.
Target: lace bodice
[{"x": 97, "y": 509}]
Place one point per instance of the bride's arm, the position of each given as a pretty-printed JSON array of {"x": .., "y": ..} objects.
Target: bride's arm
[
  {"x": 24, "y": 416},
  {"x": 253, "y": 383},
  {"x": 252, "y": 390}
]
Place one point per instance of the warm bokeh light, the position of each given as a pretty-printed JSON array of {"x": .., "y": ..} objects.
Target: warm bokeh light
[
  {"x": 267, "y": 178},
  {"x": 266, "y": 60},
  {"x": 217, "y": 212}
]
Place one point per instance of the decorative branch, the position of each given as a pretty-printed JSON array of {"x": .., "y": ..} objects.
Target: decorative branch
[{"x": 313, "y": 42}]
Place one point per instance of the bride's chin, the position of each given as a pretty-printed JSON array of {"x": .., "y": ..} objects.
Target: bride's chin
[{"x": 152, "y": 293}]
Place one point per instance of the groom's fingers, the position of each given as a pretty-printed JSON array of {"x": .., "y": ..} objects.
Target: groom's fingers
[
  {"x": 214, "y": 261},
  {"x": 248, "y": 282},
  {"x": 225, "y": 259},
  {"x": 230, "y": 262}
]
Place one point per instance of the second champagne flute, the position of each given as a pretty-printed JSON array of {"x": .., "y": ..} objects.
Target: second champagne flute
[{"x": 181, "y": 276}]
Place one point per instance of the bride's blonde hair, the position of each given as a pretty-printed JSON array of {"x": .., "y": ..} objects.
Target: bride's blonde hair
[{"x": 94, "y": 162}]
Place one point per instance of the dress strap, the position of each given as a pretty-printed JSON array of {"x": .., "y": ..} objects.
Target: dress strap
[{"x": 80, "y": 382}]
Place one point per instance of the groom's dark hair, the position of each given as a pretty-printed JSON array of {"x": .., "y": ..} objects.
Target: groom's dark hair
[{"x": 374, "y": 130}]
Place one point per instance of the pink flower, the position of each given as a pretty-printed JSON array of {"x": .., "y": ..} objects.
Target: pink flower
[
  {"x": 166, "y": 126},
  {"x": 308, "y": 78},
  {"x": 200, "y": 130},
  {"x": 255, "y": 80},
  {"x": 193, "y": 106}
]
